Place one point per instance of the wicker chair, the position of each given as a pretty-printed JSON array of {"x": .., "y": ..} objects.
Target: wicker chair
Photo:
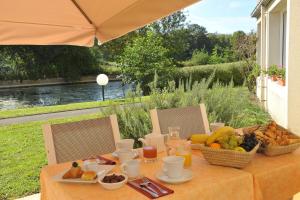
[
  {"x": 78, "y": 140},
  {"x": 191, "y": 120}
]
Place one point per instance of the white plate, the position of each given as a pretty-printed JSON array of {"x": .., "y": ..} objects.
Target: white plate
[
  {"x": 135, "y": 151},
  {"x": 59, "y": 176},
  {"x": 186, "y": 176}
]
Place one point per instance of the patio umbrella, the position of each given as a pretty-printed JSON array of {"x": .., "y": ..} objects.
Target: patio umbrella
[{"x": 78, "y": 22}]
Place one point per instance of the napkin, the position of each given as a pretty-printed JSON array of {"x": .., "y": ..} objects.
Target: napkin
[
  {"x": 103, "y": 160},
  {"x": 139, "y": 181},
  {"x": 106, "y": 161}
]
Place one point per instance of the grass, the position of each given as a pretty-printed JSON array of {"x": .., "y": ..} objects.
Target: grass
[
  {"x": 58, "y": 108},
  {"x": 23, "y": 155}
]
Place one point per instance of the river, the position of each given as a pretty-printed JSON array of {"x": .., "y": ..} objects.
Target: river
[{"x": 59, "y": 94}]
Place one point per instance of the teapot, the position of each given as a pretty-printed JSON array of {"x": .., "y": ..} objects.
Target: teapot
[{"x": 153, "y": 139}]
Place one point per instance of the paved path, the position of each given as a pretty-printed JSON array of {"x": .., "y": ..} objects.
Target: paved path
[{"x": 47, "y": 116}]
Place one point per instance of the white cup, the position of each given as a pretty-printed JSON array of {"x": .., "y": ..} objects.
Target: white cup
[
  {"x": 125, "y": 155},
  {"x": 173, "y": 166},
  {"x": 131, "y": 168},
  {"x": 125, "y": 144}
]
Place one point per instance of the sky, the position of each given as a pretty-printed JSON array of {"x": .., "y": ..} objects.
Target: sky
[{"x": 223, "y": 16}]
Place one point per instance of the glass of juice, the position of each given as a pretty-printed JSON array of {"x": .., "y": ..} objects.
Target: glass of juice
[
  {"x": 150, "y": 153},
  {"x": 185, "y": 151}
]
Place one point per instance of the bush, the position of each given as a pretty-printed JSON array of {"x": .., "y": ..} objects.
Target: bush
[
  {"x": 232, "y": 105},
  {"x": 198, "y": 58},
  {"x": 110, "y": 70},
  {"x": 224, "y": 73}
]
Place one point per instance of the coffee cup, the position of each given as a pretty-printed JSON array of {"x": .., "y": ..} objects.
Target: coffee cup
[
  {"x": 173, "y": 166},
  {"x": 125, "y": 155},
  {"x": 131, "y": 168},
  {"x": 125, "y": 144}
]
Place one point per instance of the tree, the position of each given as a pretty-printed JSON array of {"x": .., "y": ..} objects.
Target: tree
[
  {"x": 113, "y": 49},
  {"x": 170, "y": 23},
  {"x": 145, "y": 57},
  {"x": 197, "y": 39},
  {"x": 246, "y": 50},
  {"x": 175, "y": 37},
  {"x": 235, "y": 40},
  {"x": 40, "y": 62}
]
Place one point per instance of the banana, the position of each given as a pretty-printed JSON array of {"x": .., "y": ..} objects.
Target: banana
[
  {"x": 223, "y": 131},
  {"x": 199, "y": 138}
]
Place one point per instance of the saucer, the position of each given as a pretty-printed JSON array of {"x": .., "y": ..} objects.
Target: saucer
[
  {"x": 186, "y": 176},
  {"x": 135, "y": 151}
]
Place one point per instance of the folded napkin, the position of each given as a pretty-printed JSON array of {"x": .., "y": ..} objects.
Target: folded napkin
[
  {"x": 139, "y": 181},
  {"x": 102, "y": 160},
  {"x": 106, "y": 161}
]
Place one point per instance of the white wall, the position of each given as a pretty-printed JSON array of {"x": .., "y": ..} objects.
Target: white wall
[
  {"x": 293, "y": 63},
  {"x": 277, "y": 102}
]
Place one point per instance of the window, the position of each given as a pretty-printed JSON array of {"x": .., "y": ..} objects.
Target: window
[{"x": 283, "y": 56}]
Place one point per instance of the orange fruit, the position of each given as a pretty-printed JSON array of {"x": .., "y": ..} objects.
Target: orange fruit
[{"x": 215, "y": 145}]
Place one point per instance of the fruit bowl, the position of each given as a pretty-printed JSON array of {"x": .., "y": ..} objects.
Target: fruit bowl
[{"x": 227, "y": 158}]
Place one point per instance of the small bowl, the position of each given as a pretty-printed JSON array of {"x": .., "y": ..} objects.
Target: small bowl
[{"x": 114, "y": 186}]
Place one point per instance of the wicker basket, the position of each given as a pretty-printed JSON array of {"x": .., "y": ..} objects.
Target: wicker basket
[
  {"x": 274, "y": 150},
  {"x": 228, "y": 158},
  {"x": 280, "y": 150}
]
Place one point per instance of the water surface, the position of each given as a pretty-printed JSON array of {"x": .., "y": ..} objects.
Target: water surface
[{"x": 59, "y": 94}]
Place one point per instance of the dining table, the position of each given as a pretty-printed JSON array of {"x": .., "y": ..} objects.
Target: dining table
[
  {"x": 209, "y": 182},
  {"x": 276, "y": 177}
]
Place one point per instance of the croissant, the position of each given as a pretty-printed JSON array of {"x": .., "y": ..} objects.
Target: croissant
[{"x": 74, "y": 172}]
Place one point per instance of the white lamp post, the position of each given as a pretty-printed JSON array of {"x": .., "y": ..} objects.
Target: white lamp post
[{"x": 102, "y": 80}]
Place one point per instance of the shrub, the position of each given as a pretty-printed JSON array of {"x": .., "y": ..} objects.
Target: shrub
[
  {"x": 224, "y": 73},
  {"x": 216, "y": 56},
  {"x": 255, "y": 72},
  {"x": 110, "y": 70},
  {"x": 199, "y": 58},
  {"x": 228, "y": 104}
]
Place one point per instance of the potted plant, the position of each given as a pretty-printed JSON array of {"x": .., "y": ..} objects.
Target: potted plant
[
  {"x": 281, "y": 76},
  {"x": 273, "y": 72}
]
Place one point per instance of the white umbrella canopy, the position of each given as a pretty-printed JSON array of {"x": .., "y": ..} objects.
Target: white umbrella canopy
[{"x": 78, "y": 22}]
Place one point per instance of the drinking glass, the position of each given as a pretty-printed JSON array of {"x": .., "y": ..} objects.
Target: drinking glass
[
  {"x": 172, "y": 140},
  {"x": 149, "y": 153},
  {"x": 184, "y": 150},
  {"x": 174, "y": 132}
]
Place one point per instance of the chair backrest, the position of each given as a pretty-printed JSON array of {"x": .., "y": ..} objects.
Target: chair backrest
[
  {"x": 82, "y": 139},
  {"x": 191, "y": 120}
]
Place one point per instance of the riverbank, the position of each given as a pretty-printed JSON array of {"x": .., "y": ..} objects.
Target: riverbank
[
  {"x": 51, "y": 81},
  {"x": 5, "y": 114}
]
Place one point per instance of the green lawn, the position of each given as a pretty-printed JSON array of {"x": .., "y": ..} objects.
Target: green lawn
[
  {"x": 22, "y": 155},
  {"x": 50, "y": 109},
  {"x": 58, "y": 108}
]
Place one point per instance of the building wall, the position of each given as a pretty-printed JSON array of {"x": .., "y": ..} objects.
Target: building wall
[
  {"x": 272, "y": 95},
  {"x": 293, "y": 62}
]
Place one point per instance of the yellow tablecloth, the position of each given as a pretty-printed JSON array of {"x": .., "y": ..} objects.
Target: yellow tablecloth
[
  {"x": 209, "y": 183},
  {"x": 275, "y": 178}
]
